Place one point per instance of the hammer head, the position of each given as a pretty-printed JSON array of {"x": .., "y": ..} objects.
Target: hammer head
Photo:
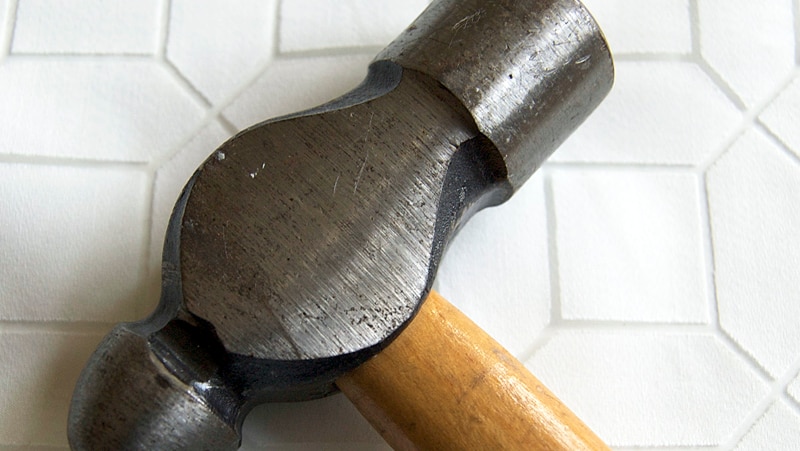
[{"x": 304, "y": 244}]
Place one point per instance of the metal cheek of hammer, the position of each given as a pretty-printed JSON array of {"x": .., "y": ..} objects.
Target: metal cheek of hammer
[{"x": 300, "y": 255}]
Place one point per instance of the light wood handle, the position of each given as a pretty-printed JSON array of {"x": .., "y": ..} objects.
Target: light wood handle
[{"x": 445, "y": 384}]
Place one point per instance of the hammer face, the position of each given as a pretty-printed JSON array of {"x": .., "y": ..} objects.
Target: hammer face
[{"x": 317, "y": 236}]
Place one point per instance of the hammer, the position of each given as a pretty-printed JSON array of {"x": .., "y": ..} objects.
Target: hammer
[{"x": 300, "y": 256}]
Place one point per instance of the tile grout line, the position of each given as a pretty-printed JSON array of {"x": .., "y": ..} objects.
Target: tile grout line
[
  {"x": 694, "y": 30},
  {"x": 749, "y": 118},
  {"x": 163, "y": 31},
  {"x": 744, "y": 355},
  {"x": 538, "y": 343},
  {"x": 791, "y": 374},
  {"x": 214, "y": 110},
  {"x": 181, "y": 79},
  {"x": 40, "y": 326},
  {"x": 278, "y": 54},
  {"x": 9, "y": 29},
  {"x": 697, "y": 53},
  {"x": 777, "y": 141},
  {"x": 655, "y": 57},
  {"x": 556, "y": 308},
  {"x": 48, "y": 160},
  {"x": 276, "y": 29},
  {"x": 147, "y": 292},
  {"x": 84, "y": 55},
  {"x": 708, "y": 250},
  {"x": 721, "y": 84},
  {"x": 664, "y": 448},
  {"x": 791, "y": 403},
  {"x": 796, "y": 13},
  {"x": 552, "y": 255},
  {"x": 618, "y": 166},
  {"x": 777, "y": 393},
  {"x": 329, "y": 52},
  {"x": 635, "y": 326},
  {"x": 144, "y": 291}
]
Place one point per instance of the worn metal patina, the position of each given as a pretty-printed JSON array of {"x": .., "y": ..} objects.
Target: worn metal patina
[{"x": 304, "y": 244}]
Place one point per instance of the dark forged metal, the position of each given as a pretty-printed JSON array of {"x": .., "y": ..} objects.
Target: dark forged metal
[{"x": 303, "y": 245}]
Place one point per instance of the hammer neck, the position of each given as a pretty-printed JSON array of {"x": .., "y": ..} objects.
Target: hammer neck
[{"x": 528, "y": 71}]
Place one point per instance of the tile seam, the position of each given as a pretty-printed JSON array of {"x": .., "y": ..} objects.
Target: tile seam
[
  {"x": 227, "y": 125},
  {"x": 89, "y": 163},
  {"x": 330, "y": 52},
  {"x": 708, "y": 250},
  {"x": 537, "y": 344},
  {"x": 791, "y": 403},
  {"x": 697, "y": 53},
  {"x": 664, "y": 448},
  {"x": 744, "y": 355},
  {"x": 796, "y": 13},
  {"x": 164, "y": 29},
  {"x": 792, "y": 374},
  {"x": 156, "y": 163},
  {"x": 721, "y": 84},
  {"x": 694, "y": 29},
  {"x": 599, "y": 325},
  {"x": 776, "y": 394},
  {"x": 750, "y": 117},
  {"x": 196, "y": 94},
  {"x": 83, "y": 55},
  {"x": 144, "y": 291},
  {"x": 687, "y": 57},
  {"x": 276, "y": 28},
  {"x": 80, "y": 327},
  {"x": 217, "y": 110},
  {"x": 619, "y": 166},
  {"x": 778, "y": 142},
  {"x": 553, "y": 267},
  {"x": 9, "y": 28}
]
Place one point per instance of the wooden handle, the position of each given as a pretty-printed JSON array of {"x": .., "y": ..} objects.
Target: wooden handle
[{"x": 445, "y": 384}]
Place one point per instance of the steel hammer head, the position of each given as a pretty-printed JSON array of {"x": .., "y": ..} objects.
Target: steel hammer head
[{"x": 304, "y": 244}]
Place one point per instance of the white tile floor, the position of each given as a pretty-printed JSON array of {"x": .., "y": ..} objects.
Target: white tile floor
[{"x": 648, "y": 274}]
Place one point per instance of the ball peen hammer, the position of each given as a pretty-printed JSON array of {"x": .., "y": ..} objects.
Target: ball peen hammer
[{"x": 299, "y": 257}]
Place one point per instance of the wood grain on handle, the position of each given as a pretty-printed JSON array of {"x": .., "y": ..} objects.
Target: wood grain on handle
[{"x": 445, "y": 384}]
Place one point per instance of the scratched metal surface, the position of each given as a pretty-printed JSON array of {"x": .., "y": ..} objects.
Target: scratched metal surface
[{"x": 645, "y": 274}]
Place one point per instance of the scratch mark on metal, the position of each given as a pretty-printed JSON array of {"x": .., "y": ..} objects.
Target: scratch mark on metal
[
  {"x": 335, "y": 183},
  {"x": 225, "y": 240},
  {"x": 360, "y": 172},
  {"x": 366, "y": 155},
  {"x": 464, "y": 23}
]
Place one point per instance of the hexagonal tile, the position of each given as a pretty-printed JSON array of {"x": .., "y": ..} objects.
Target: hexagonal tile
[
  {"x": 783, "y": 115},
  {"x": 39, "y": 371},
  {"x": 779, "y": 427},
  {"x": 123, "y": 110},
  {"x": 321, "y": 24},
  {"x": 634, "y": 26},
  {"x": 290, "y": 85},
  {"x": 753, "y": 191},
  {"x": 649, "y": 388},
  {"x": 623, "y": 256},
  {"x": 217, "y": 45},
  {"x": 750, "y": 44},
  {"x": 667, "y": 113},
  {"x": 508, "y": 293},
  {"x": 86, "y": 26},
  {"x": 72, "y": 238}
]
